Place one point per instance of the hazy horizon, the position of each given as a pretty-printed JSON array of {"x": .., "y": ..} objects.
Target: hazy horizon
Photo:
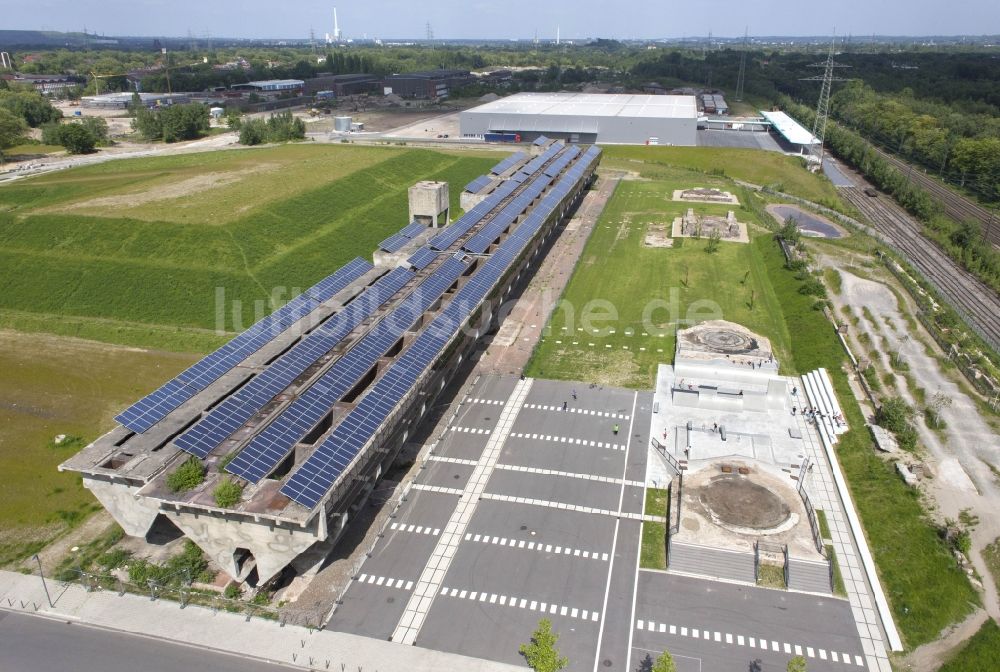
[{"x": 515, "y": 19}]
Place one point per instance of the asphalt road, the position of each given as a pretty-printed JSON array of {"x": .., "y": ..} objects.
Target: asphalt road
[{"x": 34, "y": 644}]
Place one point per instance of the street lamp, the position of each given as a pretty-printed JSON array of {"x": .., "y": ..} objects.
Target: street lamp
[{"x": 44, "y": 585}]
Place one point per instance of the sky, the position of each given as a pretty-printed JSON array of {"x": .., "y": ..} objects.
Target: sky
[{"x": 475, "y": 19}]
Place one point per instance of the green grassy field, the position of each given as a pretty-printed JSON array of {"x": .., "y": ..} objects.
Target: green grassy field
[
  {"x": 144, "y": 266},
  {"x": 650, "y": 292},
  {"x": 980, "y": 654},
  {"x": 750, "y": 165},
  {"x": 51, "y": 386}
]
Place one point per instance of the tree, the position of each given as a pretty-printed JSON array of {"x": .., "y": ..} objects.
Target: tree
[
  {"x": 541, "y": 654},
  {"x": 76, "y": 139},
  {"x": 12, "y": 129},
  {"x": 665, "y": 663},
  {"x": 797, "y": 664},
  {"x": 31, "y": 106},
  {"x": 789, "y": 232}
]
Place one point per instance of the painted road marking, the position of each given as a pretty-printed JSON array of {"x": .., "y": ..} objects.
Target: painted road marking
[
  {"x": 567, "y": 439},
  {"x": 582, "y": 411},
  {"x": 437, "y": 488},
  {"x": 468, "y": 430},
  {"x": 572, "y": 507},
  {"x": 751, "y": 642},
  {"x": 418, "y": 529},
  {"x": 385, "y": 581},
  {"x": 532, "y": 546},
  {"x": 451, "y": 460},
  {"x": 568, "y": 474}
]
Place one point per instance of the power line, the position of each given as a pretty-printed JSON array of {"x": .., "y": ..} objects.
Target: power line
[
  {"x": 823, "y": 105},
  {"x": 740, "y": 80}
]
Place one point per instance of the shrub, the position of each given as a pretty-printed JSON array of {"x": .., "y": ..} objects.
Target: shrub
[
  {"x": 228, "y": 493},
  {"x": 232, "y": 592},
  {"x": 189, "y": 475}
]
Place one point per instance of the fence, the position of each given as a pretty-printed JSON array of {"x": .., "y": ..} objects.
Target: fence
[
  {"x": 183, "y": 593},
  {"x": 810, "y": 510},
  {"x": 670, "y": 459}
]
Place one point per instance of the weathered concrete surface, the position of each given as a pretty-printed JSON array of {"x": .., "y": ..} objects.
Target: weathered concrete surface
[{"x": 135, "y": 515}]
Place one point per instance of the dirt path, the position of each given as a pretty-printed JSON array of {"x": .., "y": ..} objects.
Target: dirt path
[
  {"x": 928, "y": 658},
  {"x": 91, "y": 529},
  {"x": 959, "y": 455}
]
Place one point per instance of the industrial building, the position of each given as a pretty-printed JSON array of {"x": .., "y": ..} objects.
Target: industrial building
[
  {"x": 121, "y": 101},
  {"x": 588, "y": 118},
  {"x": 271, "y": 86},
  {"x": 307, "y": 409},
  {"x": 343, "y": 85},
  {"x": 791, "y": 135},
  {"x": 429, "y": 84}
]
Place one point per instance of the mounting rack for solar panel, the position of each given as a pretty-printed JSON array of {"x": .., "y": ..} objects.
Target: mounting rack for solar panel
[{"x": 510, "y": 250}]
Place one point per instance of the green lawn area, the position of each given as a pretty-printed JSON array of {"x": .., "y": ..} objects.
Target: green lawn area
[
  {"x": 750, "y": 165},
  {"x": 137, "y": 251},
  {"x": 656, "y": 502},
  {"x": 20, "y": 151},
  {"x": 980, "y": 654},
  {"x": 635, "y": 296},
  {"x": 51, "y": 386},
  {"x": 654, "y": 549}
]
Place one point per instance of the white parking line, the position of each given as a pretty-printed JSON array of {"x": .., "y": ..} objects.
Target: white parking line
[
  {"x": 384, "y": 581},
  {"x": 751, "y": 642}
]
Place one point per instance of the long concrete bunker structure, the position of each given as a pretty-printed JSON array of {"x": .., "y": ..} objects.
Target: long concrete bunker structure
[{"x": 306, "y": 409}]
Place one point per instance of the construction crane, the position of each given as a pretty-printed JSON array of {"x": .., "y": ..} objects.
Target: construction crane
[{"x": 97, "y": 79}]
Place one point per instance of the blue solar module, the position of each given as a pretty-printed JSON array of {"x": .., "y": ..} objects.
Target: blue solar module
[
  {"x": 541, "y": 140},
  {"x": 212, "y": 430},
  {"x": 149, "y": 410},
  {"x": 394, "y": 243},
  {"x": 508, "y": 163},
  {"x": 316, "y": 476},
  {"x": 271, "y": 446},
  {"x": 478, "y": 184},
  {"x": 422, "y": 258},
  {"x": 485, "y": 236},
  {"x": 460, "y": 227},
  {"x": 413, "y": 229}
]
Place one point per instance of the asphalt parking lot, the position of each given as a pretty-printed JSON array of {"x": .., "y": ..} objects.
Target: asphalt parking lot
[{"x": 526, "y": 510}]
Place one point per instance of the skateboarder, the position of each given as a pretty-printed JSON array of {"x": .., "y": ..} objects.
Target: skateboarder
[{"x": 616, "y": 429}]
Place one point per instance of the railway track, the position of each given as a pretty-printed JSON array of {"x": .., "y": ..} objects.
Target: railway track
[
  {"x": 956, "y": 206},
  {"x": 980, "y": 304}
]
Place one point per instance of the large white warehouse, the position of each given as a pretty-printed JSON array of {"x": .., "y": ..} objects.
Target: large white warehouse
[{"x": 588, "y": 118}]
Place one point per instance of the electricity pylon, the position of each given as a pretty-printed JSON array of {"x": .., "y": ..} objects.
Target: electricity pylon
[{"x": 823, "y": 105}]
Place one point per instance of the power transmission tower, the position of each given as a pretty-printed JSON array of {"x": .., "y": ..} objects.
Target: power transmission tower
[
  {"x": 430, "y": 32},
  {"x": 823, "y": 105},
  {"x": 741, "y": 79},
  {"x": 312, "y": 40}
]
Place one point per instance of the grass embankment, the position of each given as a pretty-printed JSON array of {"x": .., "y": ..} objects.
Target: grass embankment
[
  {"x": 926, "y": 588},
  {"x": 785, "y": 173},
  {"x": 136, "y": 251},
  {"x": 654, "y": 535},
  {"x": 980, "y": 654},
  {"x": 51, "y": 386},
  {"x": 641, "y": 294}
]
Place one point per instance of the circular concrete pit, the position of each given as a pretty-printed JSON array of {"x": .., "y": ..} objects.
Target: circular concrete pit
[{"x": 736, "y": 500}]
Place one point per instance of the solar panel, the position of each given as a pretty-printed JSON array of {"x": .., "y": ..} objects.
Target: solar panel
[
  {"x": 152, "y": 408},
  {"x": 478, "y": 184},
  {"x": 234, "y": 411},
  {"x": 541, "y": 140},
  {"x": 311, "y": 482},
  {"x": 413, "y": 229},
  {"x": 508, "y": 163},
  {"x": 464, "y": 224},
  {"x": 270, "y": 446},
  {"x": 394, "y": 243},
  {"x": 422, "y": 258}
]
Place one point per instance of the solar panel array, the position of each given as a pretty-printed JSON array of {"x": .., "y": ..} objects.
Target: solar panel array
[
  {"x": 540, "y": 140},
  {"x": 479, "y": 184},
  {"x": 485, "y": 236},
  {"x": 213, "y": 429},
  {"x": 266, "y": 450},
  {"x": 536, "y": 163},
  {"x": 422, "y": 257},
  {"x": 152, "y": 408},
  {"x": 464, "y": 224},
  {"x": 399, "y": 240},
  {"x": 311, "y": 482},
  {"x": 508, "y": 163}
]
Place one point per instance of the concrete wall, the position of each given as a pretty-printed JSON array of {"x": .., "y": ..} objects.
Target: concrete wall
[
  {"x": 272, "y": 546},
  {"x": 135, "y": 516},
  {"x": 611, "y": 129},
  {"x": 429, "y": 201}
]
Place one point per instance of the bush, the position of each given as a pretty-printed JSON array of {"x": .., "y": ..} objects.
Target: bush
[
  {"x": 278, "y": 128},
  {"x": 172, "y": 123},
  {"x": 114, "y": 558},
  {"x": 232, "y": 592},
  {"x": 189, "y": 475},
  {"x": 228, "y": 493}
]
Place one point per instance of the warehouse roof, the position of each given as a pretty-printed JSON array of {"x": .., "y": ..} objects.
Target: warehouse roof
[
  {"x": 790, "y": 129},
  {"x": 593, "y": 104}
]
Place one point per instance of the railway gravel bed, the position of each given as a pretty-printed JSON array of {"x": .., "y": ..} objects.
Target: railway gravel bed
[{"x": 980, "y": 303}]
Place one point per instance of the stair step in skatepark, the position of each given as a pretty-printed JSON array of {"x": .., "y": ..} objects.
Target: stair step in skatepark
[
  {"x": 713, "y": 562},
  {"x": 809, "y": 576}
]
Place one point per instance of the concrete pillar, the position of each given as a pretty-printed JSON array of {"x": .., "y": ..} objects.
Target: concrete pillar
[
  {"x": 430, "y": 203},
  {"x": 136, "y": 516}
]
